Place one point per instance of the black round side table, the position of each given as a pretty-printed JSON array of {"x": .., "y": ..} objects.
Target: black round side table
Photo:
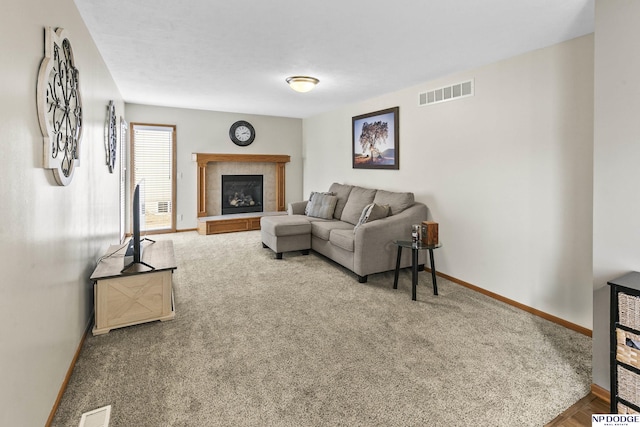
[{"x": 415, "y": 248}]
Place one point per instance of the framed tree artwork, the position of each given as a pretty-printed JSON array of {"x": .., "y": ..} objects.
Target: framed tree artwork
[{"x": 375, "y": 142}]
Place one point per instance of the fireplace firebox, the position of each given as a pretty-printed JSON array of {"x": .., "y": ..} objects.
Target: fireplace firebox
[{"x": 241, "y": 194}]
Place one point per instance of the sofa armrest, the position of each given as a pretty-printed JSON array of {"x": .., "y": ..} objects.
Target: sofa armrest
[
  {"x": 297, "y": 208},
  {"x": 374, "y": 250}
]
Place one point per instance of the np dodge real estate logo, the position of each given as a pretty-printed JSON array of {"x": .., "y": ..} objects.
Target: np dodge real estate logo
[{"x": 614, "y": 420}]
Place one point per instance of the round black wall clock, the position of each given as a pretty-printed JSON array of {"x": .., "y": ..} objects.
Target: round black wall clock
[{"x": 242, "y": 133}]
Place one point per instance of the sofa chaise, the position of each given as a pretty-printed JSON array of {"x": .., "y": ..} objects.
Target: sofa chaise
[{"x": 351, "y": 225}]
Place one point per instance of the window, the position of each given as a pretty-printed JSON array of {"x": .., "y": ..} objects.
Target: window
[{"x": 153, "y": 159}]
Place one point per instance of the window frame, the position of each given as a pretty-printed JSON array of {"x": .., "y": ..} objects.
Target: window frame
[{"x": 132, "y": 177}]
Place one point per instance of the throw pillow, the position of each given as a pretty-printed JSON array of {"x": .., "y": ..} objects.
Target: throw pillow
[
  {"x": 321, "y": 205},
  {"x": 359, "y": 197},
  {"x": 397, "y": 201},
  {"x": 313, "y": 193},
  {"x": 372, "y": 212}
]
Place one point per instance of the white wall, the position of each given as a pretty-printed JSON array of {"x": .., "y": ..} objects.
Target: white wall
[
  {"x": 616, "y": 196},
  {"x": 208, "y": 132},
  {"x": 51, "y": 235},
  {"x": 507, "y": 173}
]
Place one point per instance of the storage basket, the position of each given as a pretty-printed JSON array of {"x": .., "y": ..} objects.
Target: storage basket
[
  {"x": 628, "y": 385},
  {"x": 629, "y": 310},
  {"x": 622, "y": 409},
  {"x": 624, "y": 353}
]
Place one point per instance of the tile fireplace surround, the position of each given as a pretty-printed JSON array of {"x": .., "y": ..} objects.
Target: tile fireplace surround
[{"x": 210, "y": 169}]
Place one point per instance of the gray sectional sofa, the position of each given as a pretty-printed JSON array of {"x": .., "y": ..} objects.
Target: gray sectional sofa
[{"x": 353, "y": 226}]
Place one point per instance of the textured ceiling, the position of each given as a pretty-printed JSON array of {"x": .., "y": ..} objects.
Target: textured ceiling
[{"x": 235, "y": 55}]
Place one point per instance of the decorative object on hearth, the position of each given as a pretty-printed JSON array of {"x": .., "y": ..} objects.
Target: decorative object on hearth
[
  {"x": 375, "y": 140},
  {"x": 242, "y": 133},
  {"x": 111, "y": 136},
  {"x": 302, "y": 83},
  {"x": 59, "y": 106}
]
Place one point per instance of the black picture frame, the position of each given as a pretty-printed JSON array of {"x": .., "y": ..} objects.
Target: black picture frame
[{"x": 376, "y": 140}]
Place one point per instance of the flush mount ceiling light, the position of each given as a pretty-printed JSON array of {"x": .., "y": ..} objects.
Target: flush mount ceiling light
[{"x": 302, "y": 83}]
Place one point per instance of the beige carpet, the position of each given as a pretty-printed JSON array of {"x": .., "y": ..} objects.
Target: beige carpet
[{"x": 299, "y": 342}]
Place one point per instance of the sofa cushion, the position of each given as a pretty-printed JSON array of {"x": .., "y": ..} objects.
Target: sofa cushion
[
  {"x": 321, "y": 205},
  {"x": 285, "y": 225},
  {"x": 322, "y": 229},
  {"x": 397, "y": 201},
  {"x": 359, "y": 197},
  {"x": 372, "y": 212},
  {"x": 342, "y": 192},
  {"x": 297, "y": 208},
  {"x": 343, "y": 239}
]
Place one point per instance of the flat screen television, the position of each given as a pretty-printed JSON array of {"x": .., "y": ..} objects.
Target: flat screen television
[{"x": 133, "y": 254}]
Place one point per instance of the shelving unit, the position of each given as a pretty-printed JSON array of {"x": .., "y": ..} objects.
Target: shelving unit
[{"x": 625, "y": 344}]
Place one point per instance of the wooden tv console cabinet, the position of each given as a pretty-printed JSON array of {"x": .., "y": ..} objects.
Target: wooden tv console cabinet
[{"x": 140, "y": 295}]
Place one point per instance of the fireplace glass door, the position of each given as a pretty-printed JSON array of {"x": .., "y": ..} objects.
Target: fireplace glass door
[{"x": 242, "y": 194}]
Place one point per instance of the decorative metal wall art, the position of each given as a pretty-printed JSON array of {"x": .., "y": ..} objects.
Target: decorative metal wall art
[
  {"x": 59, "y": 106},
  {"x": 111, "y": 136}
]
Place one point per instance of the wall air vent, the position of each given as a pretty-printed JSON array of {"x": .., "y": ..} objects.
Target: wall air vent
[{"x": 447, "y": 93}]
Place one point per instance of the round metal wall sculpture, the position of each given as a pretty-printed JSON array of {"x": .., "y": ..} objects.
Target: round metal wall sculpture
[
  {"x": 111, "y": 136},
  {"x": 59, "y": 106}
]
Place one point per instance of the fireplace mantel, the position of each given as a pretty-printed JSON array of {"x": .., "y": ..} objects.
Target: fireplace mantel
[{"x": 279, "y": 160}]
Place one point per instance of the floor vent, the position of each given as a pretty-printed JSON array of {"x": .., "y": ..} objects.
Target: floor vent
[
  {"x": 96, "y": 418},
  {"x": 447, "y": 93}
]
